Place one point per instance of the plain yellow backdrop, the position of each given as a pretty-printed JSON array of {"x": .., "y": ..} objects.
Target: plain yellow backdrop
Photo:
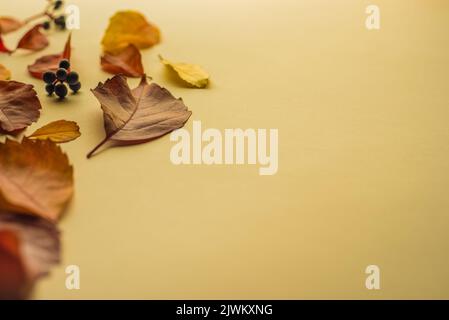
[{"x": 363, "y": 155}]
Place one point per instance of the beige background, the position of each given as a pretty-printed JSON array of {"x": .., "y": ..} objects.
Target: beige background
[{"x": 363, "y": 173}]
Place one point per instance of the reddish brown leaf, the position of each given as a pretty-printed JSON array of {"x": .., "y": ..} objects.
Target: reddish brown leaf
[
  {"x": 35, "y": 178},
  {"x": 139, "y": 115},
  {"x": 9, "y": 24},
  {"x": 127, "y": 62},
  {"x": 3, "y": 47},
  {"x": 33, "y": 40},
  {"x": 29, "y": 247},
  {"x": 19, "y": 106},
  {"x": 50, "y": 62}
]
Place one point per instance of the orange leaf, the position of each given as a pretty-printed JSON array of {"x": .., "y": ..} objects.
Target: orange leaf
[
  {"x": 33, "y": 40},
  {"x": 9, "y": 24},
  {"x": 50, "y": 62},
  {"x": 127, "y": 62},
  {"x": 35, "y": 178},
  {"x": 5, "y": 74}
]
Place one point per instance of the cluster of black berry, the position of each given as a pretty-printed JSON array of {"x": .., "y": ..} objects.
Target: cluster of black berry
[
  {"x": 58, "y": 21},
  {"x": 56, "y": 80}
]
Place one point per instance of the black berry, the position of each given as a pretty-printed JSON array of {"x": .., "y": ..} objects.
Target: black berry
[
  {"x": 75, "y": 87},
  {"x": 58, "y": 4},
  {"x": 72, "y": 77},
  {"x": 61, "y": 90},
  {"x": 60, "y": 22},
  {"x": 61, "y": 74},
  {"x": 49, "y": 77},
  {"x": 46, "y": 25},
  {"x": 50, "y": 88},
  {"x": 64, "y": 64}
]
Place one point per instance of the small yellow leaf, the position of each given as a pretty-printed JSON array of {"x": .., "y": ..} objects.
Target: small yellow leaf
[
  {"x": 129, "y": 27},
  {"x": 5, "y": 74},
  {"x": 191, "y": 73},
  {"x": 58, "y": 131}
]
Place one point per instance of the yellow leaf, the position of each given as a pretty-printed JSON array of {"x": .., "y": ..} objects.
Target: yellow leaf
[
  {"x": 5, "y": 74},
  {"x": 191, "y": 73},
  {"x": 58, "y": 131},
  {"x": 129, "y": 27}
]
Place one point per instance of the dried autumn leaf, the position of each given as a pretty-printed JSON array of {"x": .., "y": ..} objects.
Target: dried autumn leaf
[
  {"x": 139, "y": 115},
  {"x": 5, "y": 74},
  {"x": 3, "y": 47},
  {"x": 33, "y": 40},
  {"x": 29, "y": 247},
  {"x": 190, "y": 73},
  {"x": 50, "y": 62},
  {"x": 127, "y": 62},
  {"x": 58, "y": 131},
  {"x": 129, "y": 27},
  {"x": 9, "y": 24},
  {"x": 35, "y": 178},
  {"x": 19, "y": 106}
]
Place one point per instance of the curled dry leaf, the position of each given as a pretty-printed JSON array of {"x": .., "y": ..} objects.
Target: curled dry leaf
[
  {"x": 33, "y": 40},
  {"x": 9, "y": 24},
  {"x": 29, "y": 247},
  {"x": 5, "y": 74},
  {"x": 58, "y": 131},
  {"x": 50, "y": 62},
  {"x": 127, "y": 62},
  {"x": 139, "y": 115},
  {"x": 190, "y": 73},
  {"x": 35, "y": 178},
  {"x": 129, "y": 27},
  {"x": 19, "y": 106}
]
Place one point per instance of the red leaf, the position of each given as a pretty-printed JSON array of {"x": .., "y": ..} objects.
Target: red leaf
[
  {"x": 29, "y": 247},
  {"x": 33, "y": 40},
  {"x": 50, "y": 62},
  {"x": 127, "y": 62},
  {"x": 2, "y": 46}
]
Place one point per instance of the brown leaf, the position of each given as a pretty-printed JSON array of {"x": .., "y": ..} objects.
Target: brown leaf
[
  {"x": 58, "y": 131},
  {"x": 5, "y": 74},
  {"x": 19, "y": 106},
  {"x": 9, "y": 24},
  {"x": 138, "y": 115},
  {"x": 29, "y": 247},
  {"x": 127, "y": 62},
  {"x": 50, "y": 62},
  {"x": 35, "y": 178},
  {"x": 33, "y": 40}
]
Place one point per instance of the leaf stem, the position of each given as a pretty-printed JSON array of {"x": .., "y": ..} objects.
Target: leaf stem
[{"x": 90, "y": 154}]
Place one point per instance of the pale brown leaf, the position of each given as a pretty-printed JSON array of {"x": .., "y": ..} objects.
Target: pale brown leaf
[
  {"x": 139, "y": 115},
  {"x": 19, "y": 106}
]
